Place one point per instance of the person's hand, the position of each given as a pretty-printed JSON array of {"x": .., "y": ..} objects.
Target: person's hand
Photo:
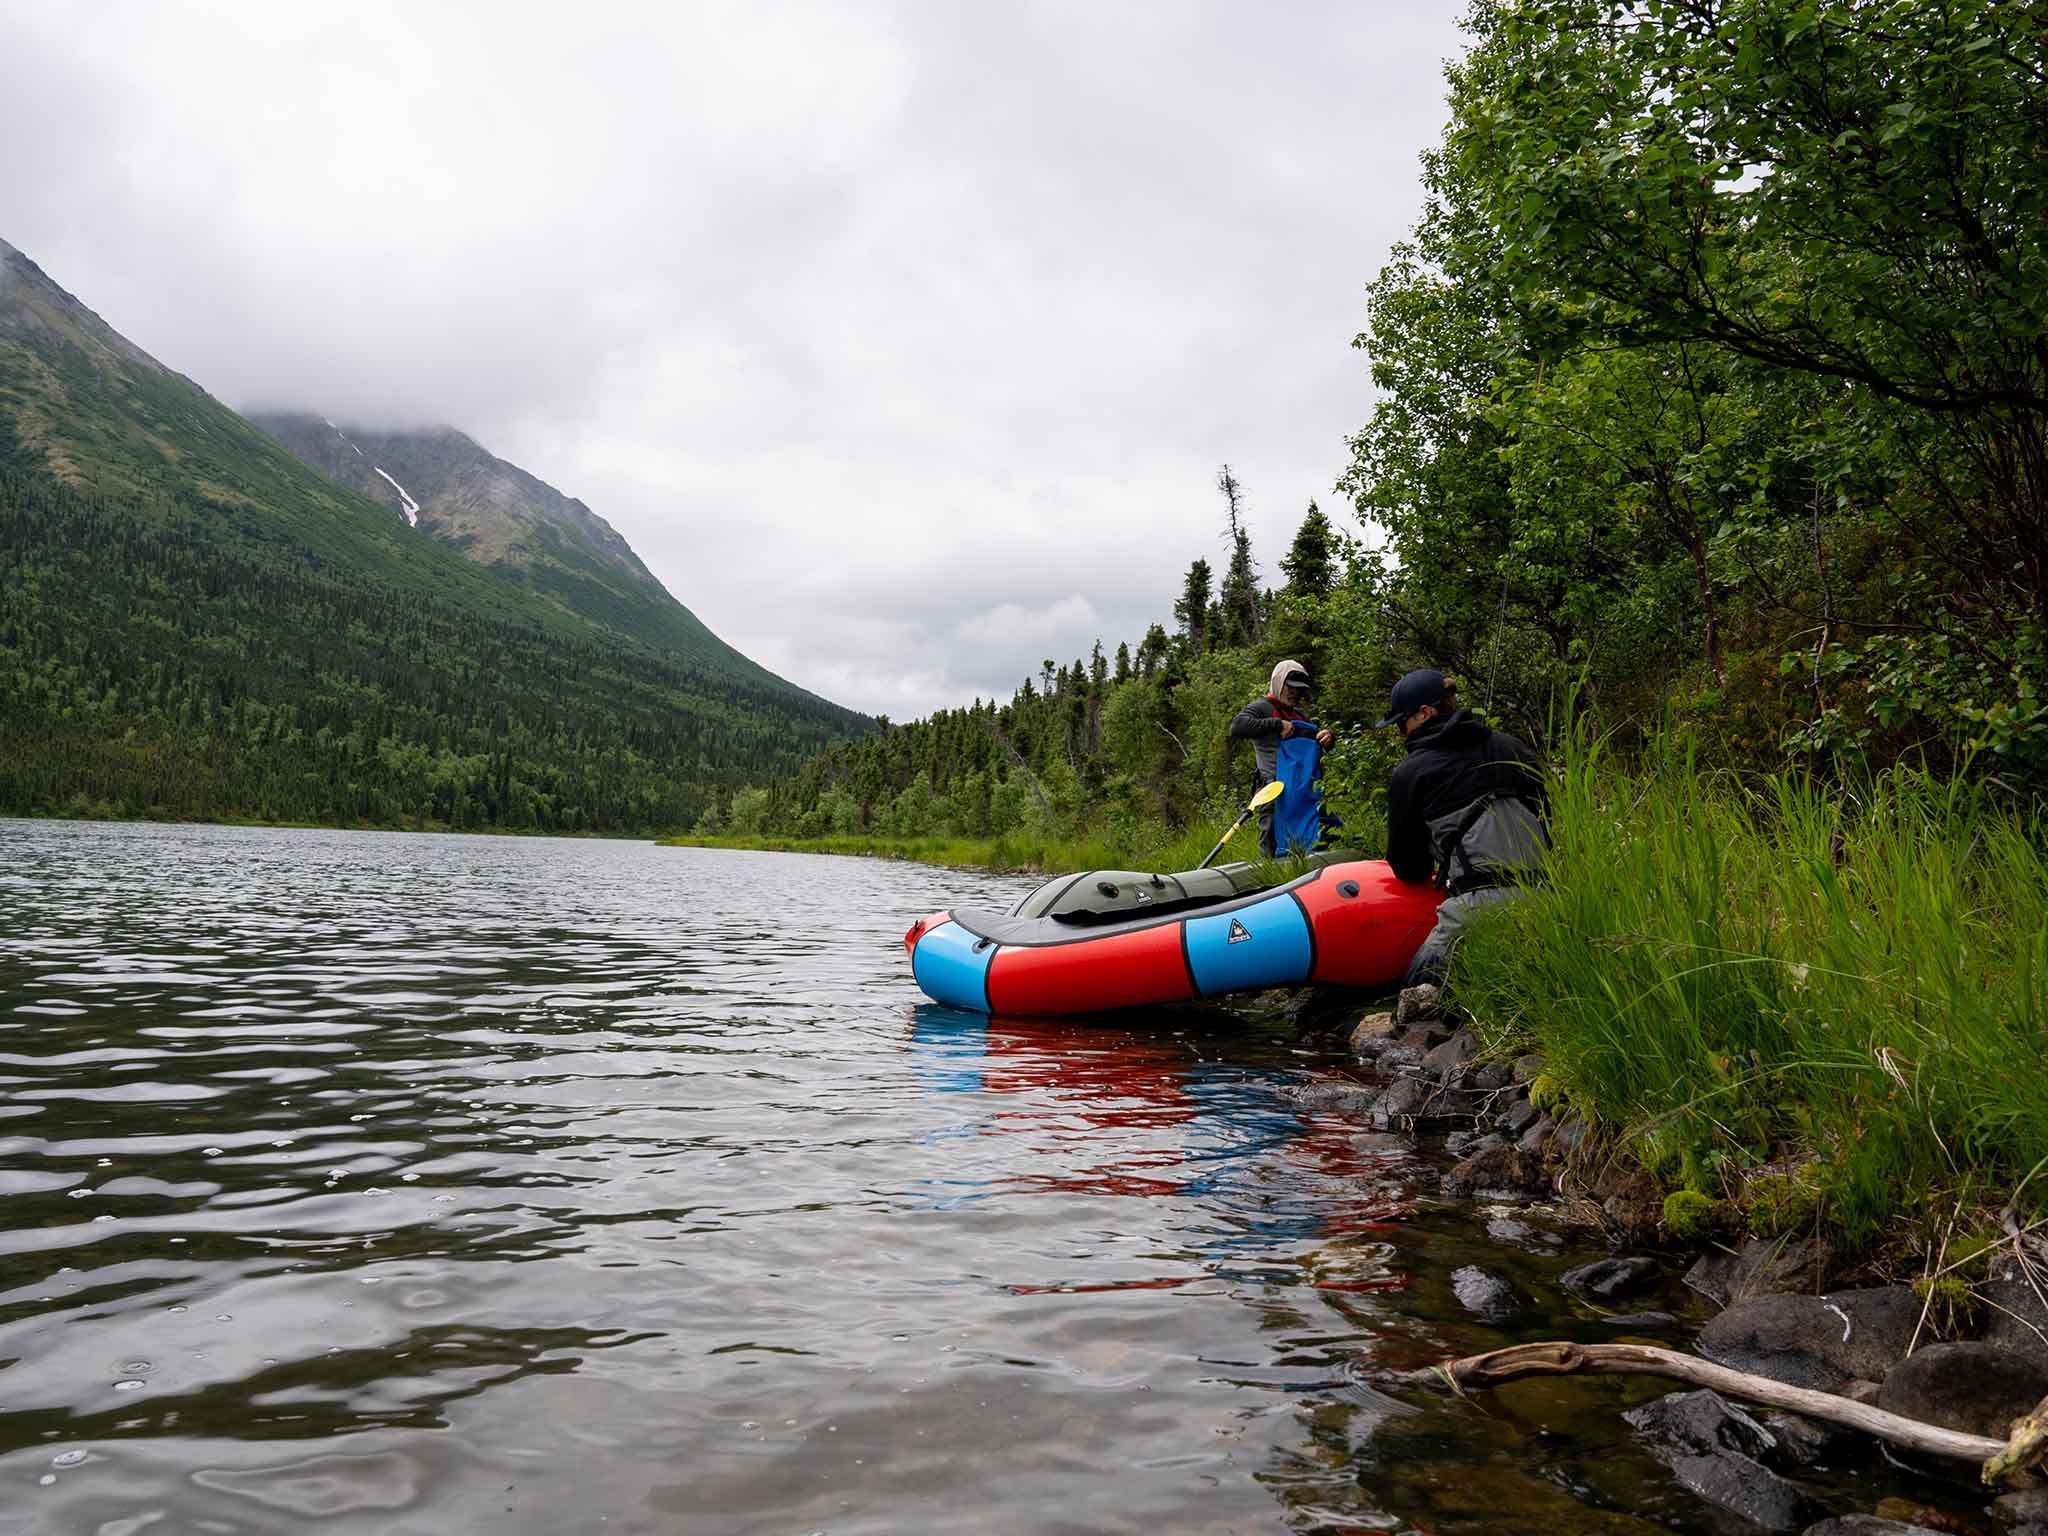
[
  {"x": 1324, "y": 738},
  {"x": 1286, "y": 729}
]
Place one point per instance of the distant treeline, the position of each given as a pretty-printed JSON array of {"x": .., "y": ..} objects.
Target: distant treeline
[
  {"x": 150, "y": 665},
  {"x": 1713, "y": 395}
]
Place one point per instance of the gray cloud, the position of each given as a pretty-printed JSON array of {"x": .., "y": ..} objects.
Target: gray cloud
[{"x": 902, "y": 341}]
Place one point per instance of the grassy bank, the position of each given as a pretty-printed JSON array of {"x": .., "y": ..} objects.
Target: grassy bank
[{"x": 1808, "y": 1010}]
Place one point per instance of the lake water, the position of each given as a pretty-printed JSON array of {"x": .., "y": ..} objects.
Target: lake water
[{"x": 375, "y": 1182}]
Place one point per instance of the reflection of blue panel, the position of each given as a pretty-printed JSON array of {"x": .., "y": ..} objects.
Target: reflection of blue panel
[
  {"x": 949, "y": 1048},
  {"x": 950, "y": 967},
  {"x": 1271, "y": 947}
]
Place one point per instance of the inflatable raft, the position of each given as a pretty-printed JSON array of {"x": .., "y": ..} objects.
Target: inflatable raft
[{"x": 1119, "y": 939}]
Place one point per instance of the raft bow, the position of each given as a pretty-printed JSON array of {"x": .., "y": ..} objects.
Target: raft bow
[{"x": 1115, "y": 939}]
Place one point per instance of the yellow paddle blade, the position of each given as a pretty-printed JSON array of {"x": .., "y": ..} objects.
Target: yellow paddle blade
[{"x": 1268, "y": 794}]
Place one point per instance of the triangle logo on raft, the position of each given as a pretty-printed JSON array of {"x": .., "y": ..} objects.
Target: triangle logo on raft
[{"x": 1239, "y": 934}]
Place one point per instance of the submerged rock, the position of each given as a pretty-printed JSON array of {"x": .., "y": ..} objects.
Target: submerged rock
[
  {"x": 1484, "y": 1294},
  {"x": 1823, "y": 1342},
  {"x": 1701, "y": 1422},
  {"x": 1804, "y": 1442},
  {"x": 1714, "y": 1449},
  {"x": 1976, "y": 1388},
  {"x": 1868, "y": 1525},
  {"x": 1606, "y": 1280},
  {"x": 1748, "y": 1489}
]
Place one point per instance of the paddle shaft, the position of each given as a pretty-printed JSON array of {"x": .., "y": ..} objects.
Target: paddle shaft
[{"x": 1226, "y": 837}]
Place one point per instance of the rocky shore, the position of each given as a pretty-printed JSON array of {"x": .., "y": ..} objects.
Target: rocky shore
[{"x": 1970, "y": 1359}]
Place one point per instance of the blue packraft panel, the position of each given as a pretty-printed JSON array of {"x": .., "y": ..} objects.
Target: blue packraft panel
[{"x": 1298, "y": 814}]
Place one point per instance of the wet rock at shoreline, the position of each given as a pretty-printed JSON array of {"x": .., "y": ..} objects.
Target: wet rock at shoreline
[
  {"x": 1868, "y": 1525},
  {"x": 1371, "y": 1034},
  {"x": 1452, "y": 1054},
  {"x": 1492, "y": 1077},
  {"x": 1977, "y": 1388},
  {"x": 2023, "y": 1513},
  {"x": 1504, "y": 1170},
  {"x": 1518, "y": 1117},
  {"x": 1760, "y": 1267},
  {"x": 1484, "y": 1294},
  {"x": 1822, "y": 1342},
  {"x": 1631, "y": 1201},
  {"x": 1608, "y": 1280},
  {"x": 2018, "y": 1321},
  {"x": 1418, "y": 1003},
  {"x": 1338, "y": 1096}
]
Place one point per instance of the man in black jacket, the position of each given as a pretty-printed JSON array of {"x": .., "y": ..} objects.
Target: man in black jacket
[{"x": 1464, "y": 808}]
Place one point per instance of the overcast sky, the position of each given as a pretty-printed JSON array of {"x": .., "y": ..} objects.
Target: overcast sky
[{"x": 902, "y": 341}]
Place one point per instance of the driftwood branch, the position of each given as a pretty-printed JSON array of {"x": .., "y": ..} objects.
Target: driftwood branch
[{"x": 1999, "y": 1461}]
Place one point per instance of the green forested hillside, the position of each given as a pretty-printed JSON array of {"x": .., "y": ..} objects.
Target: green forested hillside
[{"x": 195, "y": 624}]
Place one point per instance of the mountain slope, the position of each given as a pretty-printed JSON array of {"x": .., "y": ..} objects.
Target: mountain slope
[
  {"x": 446, "y": 484},
  {"x": 194, "y": 623}
]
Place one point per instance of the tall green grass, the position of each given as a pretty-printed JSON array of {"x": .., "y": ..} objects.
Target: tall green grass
[{"x": 1829, "y": 1005}]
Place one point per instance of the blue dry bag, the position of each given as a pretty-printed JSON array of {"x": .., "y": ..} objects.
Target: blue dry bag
[{"x": 1298, "y": 814}]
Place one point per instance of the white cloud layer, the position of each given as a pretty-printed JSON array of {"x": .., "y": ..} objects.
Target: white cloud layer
[{"x": 902, "y": 341}]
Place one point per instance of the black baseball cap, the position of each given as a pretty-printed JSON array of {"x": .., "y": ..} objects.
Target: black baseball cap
[{"x": 1423, "y": 686}]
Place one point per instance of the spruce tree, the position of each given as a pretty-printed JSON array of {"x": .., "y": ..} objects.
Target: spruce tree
[
  {"x": 1239, "y": 600},
  {"x": 1193, "y": 607},
  {"x": 1310, "y": 565}
]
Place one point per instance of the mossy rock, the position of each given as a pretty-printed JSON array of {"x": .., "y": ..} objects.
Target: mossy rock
[
  {"x": 1776, "y": 1204},
  {"x": 1952, "y": 1306},
  {"x": 1690, "y": 1216}
]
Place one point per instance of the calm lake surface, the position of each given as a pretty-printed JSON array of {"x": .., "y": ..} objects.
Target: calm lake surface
[{"x": 375, "y": 1182}]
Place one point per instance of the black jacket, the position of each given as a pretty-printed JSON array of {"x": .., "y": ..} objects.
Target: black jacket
[{"x": 1452, "y": 762}]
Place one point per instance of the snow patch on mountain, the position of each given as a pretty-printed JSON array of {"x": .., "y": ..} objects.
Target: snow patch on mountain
[
  {"x": 410, "y": 507},
  {"x": 350, "y": 441}
]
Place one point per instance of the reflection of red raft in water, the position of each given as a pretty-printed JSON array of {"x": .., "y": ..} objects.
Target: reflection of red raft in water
[{"x": 1113, "y": 939}]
